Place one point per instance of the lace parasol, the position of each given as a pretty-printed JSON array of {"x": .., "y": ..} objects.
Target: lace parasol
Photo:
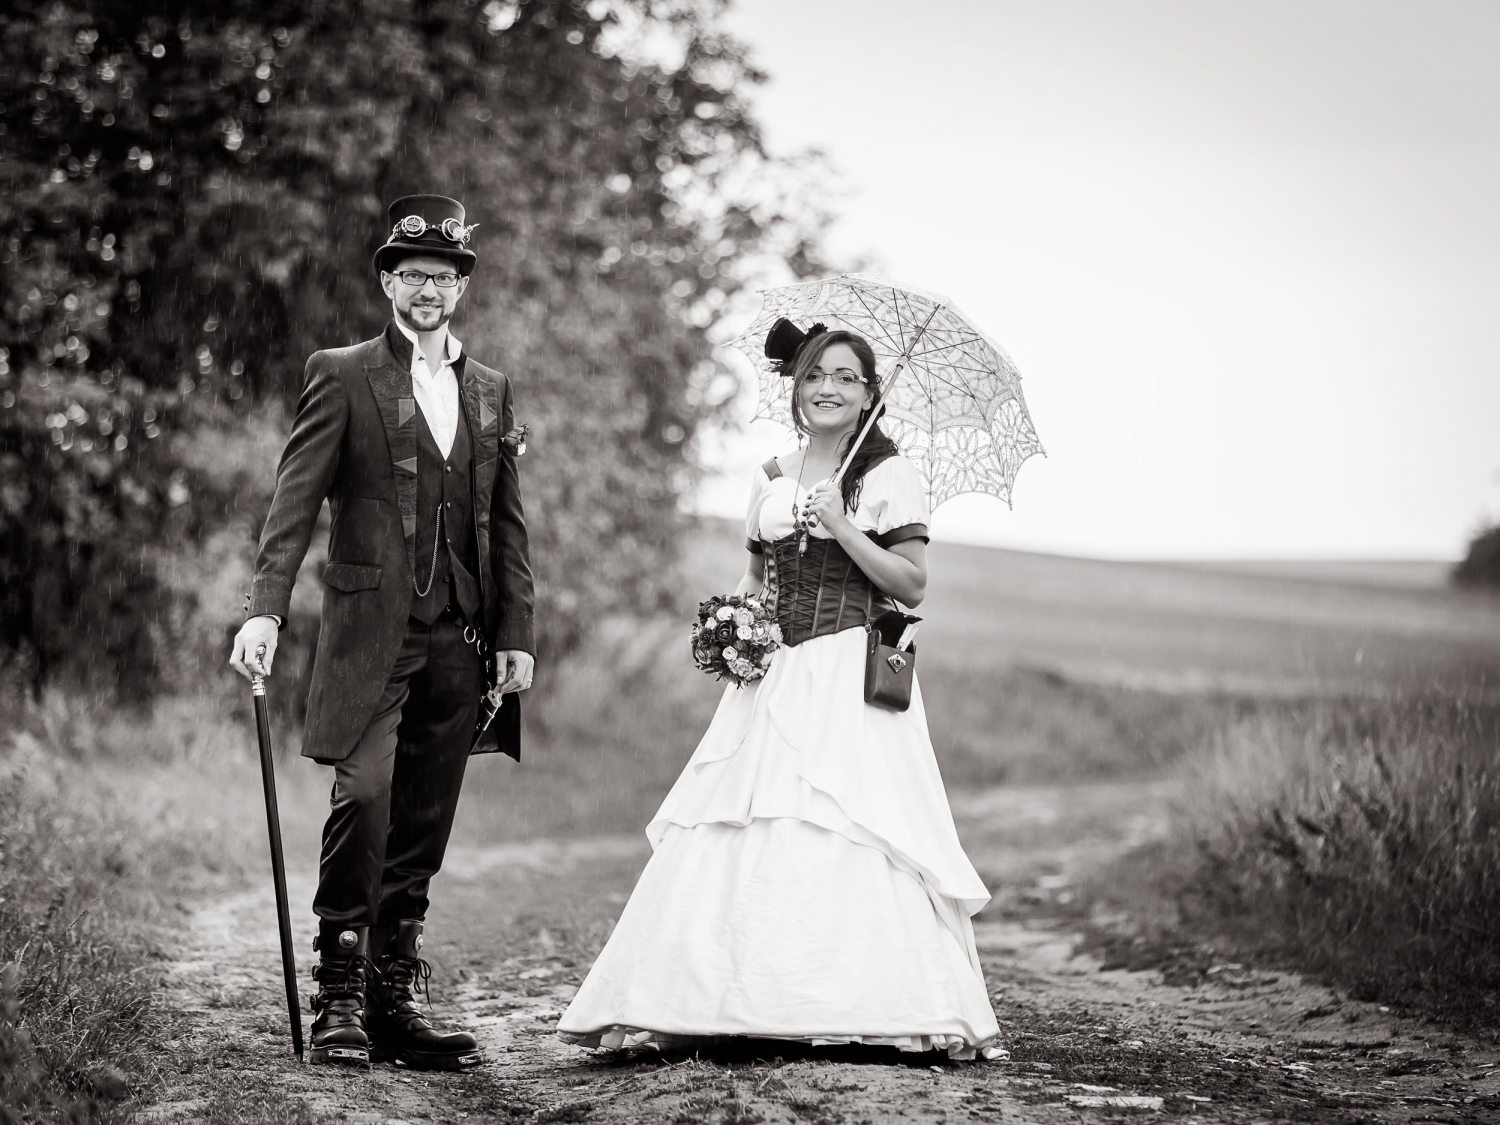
[{"x": 953, "y": 397}]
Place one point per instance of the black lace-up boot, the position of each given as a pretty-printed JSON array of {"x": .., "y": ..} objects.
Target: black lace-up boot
[
  {"x": 343, "y": 975},
  {"x": 399, "y": 1031}
]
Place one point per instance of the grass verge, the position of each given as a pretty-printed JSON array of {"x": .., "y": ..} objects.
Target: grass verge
[
  {"x": 106, "y": 825},
  {"x": 1360, "y": 840}
]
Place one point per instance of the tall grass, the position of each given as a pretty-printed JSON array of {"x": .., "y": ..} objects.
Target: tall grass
[
  {"x": 1363, "y": 840},
  {"x": 107, "y": 822}
]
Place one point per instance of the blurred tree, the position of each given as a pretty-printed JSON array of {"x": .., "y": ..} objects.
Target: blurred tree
[
  {"x": 612, "y": 189},
  {"x": 152, "y": 262},
  {"x": 1481, "y": 565},
  {"x": 189, "y": 197}
]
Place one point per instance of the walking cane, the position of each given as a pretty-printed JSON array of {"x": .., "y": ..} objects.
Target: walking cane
[{"x": 278, "y": 864}]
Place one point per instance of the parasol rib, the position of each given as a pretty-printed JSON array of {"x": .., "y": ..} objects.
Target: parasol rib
[
  {"x": 874, "y": 318},
  {"x": 890, "y": 382}
]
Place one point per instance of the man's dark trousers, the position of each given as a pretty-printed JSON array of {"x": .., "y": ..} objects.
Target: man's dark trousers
[
  {"x": 383, "y": 707},
  {"x": 394, "y": 797}
]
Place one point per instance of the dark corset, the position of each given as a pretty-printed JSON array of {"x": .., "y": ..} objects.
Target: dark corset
[{"x": 820, "y": 592}]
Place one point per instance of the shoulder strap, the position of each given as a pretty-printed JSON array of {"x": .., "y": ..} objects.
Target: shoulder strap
[{"x": 772, "y": 469}]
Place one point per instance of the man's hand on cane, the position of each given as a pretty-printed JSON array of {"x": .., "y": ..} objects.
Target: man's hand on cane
[
  {"x": 513, "y": 669},
  {"x": 254, "y": 647}
]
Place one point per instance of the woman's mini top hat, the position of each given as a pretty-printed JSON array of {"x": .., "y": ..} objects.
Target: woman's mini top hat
[
  {"x": 785, "y": 340},
  {"x": 428, "y": 224}
]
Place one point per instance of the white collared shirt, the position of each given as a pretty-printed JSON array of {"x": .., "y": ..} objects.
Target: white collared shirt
[{"x": 436, "y": 392}]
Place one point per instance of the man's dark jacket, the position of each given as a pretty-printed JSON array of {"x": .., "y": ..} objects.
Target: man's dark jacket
[{"x": 355, "y": 443}]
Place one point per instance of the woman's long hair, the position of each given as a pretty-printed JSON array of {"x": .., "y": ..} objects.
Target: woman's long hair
[{"x": 877, "y": 444}]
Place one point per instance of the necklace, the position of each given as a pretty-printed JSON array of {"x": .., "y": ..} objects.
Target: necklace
[{"x": 799, "y": 513}]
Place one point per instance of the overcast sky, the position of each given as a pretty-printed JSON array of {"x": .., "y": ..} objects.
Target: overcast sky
[{"x": 1245, "y": 254}]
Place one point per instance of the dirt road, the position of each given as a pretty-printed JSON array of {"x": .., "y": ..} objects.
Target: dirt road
[{"x": 519, "y": 923}]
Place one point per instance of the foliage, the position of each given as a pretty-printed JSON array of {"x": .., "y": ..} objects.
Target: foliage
[
  {"x": 611, "y": 191},
  {"x": 189, "y": 196},
  {"x": 1481, "y": 565}
]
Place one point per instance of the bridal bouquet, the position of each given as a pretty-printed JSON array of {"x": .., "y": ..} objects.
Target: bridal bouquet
[{"x": 734, "y": 638}]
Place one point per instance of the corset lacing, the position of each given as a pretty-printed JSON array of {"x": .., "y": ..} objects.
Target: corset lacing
[{"x": 820, "y": 592}]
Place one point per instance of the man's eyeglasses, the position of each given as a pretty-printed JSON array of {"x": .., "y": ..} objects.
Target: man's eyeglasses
[
  {"x": 843, "y": 377},
  {"x": 416, "y": 279}
]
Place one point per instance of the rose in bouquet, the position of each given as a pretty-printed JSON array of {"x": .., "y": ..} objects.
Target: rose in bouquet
[{"x": 734, "y": 638}]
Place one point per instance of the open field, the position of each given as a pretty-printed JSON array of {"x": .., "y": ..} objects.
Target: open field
[
  {"x": 1279, "y": 628},
  {"x": 1083, "y": 713},
  {"x": 1034, "y": 669}
]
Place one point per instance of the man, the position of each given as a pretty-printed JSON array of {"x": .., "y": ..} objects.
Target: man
[{"x": 428, "y": 579}]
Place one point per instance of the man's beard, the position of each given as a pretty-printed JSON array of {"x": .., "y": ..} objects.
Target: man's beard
[{"x": 409, "y": 319}]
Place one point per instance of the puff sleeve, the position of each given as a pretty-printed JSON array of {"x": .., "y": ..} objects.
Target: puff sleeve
[{"x": 896, "y": 496}]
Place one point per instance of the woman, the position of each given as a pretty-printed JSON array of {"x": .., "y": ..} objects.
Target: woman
[{"x": 807, "y": 881}]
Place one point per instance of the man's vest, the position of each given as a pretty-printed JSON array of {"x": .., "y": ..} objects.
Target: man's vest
[{"x": 445, "y": 488}]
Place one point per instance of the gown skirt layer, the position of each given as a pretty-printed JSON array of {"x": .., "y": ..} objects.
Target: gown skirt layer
[{"x": 806, "y": 882}]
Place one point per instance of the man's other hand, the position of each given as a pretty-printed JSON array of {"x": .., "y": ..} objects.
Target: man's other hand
[{"x": 513, "y": 669}]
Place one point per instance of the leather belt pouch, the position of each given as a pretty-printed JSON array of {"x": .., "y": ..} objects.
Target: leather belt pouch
[{"x": 889, "y": 673}]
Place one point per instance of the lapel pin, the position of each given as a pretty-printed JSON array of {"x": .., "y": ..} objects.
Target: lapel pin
[{"x": 515, "y": 440}]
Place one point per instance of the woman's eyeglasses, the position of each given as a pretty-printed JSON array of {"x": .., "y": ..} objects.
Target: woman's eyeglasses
[
  {"x": 416, "y": 279},
  {"x": 843, "y": 377}
]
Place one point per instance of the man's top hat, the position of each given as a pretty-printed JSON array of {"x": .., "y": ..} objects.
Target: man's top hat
[{"x": 428, "y": 224}]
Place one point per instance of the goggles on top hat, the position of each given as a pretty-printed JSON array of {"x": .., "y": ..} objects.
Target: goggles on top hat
[{"x": 414, "y": 226}]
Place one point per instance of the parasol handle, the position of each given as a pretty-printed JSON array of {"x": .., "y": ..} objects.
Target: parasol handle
[{"x": 885, "y": 389}]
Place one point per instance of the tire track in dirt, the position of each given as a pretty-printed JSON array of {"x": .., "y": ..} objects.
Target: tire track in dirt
[{"x": 1246, "y": 1045}]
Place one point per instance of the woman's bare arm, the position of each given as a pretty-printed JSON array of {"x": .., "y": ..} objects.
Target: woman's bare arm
[
  {"x": 900, "y": 569},
  {"x": 755, "y": 576}
]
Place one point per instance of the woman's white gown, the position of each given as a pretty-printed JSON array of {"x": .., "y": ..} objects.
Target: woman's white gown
[{"x": 806, "y": 880}]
